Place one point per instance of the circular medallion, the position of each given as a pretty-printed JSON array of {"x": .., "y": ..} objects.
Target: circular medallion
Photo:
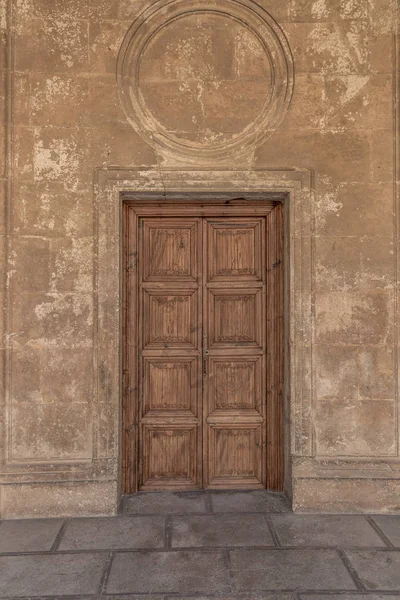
[{"x": 206, "y": 79}]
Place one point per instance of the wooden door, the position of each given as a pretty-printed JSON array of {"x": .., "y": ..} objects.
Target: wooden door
[{"x": 208, "y": 401}]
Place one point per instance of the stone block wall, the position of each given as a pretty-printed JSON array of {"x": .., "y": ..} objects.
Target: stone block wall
[{"x": 72, "y": 113}]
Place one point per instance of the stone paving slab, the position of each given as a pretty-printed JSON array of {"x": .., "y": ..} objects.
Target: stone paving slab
[
  {"x": 135, "y": 597},
  {"x": 257, "y": 501},
  {"x": 181, "y": 571},
  {"x": 289, "y": 570},
  {"x": 325, "y": 530},
  {"x": 41, "y": 575},
  {"x": 115, "y": 533},
  {"x": 165, "y": 503},
  {"x": 220, "y": 530},
  {"x": 236, "y": 596},
  {"x": 349, "y": 597},
  {"x": 202, "y": 546},
  {"x": 390, "y": 525},
  {"x": 377, "y": 570},
  {"x": 27, "y": 535},
  {"x": 231, "y": 596}
]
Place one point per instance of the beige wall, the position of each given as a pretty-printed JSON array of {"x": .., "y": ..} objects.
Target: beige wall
[{"x": 201, "y": 82}]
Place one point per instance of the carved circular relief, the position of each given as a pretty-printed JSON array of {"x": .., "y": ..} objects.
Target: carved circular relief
[{"x": 205, "y": 79}]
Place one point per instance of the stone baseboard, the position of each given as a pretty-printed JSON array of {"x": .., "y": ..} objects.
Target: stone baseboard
[
  {"x": 79, "y": 499},
  {"x": 379, "y": 496},
  {"x": 66, "y": 499}
]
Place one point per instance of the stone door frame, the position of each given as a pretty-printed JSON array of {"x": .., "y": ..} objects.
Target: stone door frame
[{"x": 110, "y": 188}]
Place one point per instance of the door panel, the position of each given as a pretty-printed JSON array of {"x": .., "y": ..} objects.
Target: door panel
[
  {"x": 170, "y": 359},
  {"x": 170, "y": 384},
  {"x": 170, "y": 317},
  {"x": 169, "y": 456},
  {"x": 234, "y": 384},
  {"x": 235, "y": 456},
  {"x": 234, "y": 317},
  {"x": 234, "y": 335},
  {"x": 170, "y": 250},
  {"x": 233, "y": 250}
]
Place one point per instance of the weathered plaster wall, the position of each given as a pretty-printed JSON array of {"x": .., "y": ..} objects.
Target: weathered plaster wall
[{"x": 203, "y": 81}]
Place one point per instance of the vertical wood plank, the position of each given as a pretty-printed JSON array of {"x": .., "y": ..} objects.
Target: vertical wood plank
[
  {"x": 275, "y": 265},
  {"x": 130, "y": 338}
]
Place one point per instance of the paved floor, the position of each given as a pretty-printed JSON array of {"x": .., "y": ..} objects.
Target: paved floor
[{"x": 232, "y": 545}]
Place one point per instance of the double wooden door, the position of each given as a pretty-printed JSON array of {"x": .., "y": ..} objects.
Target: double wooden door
[{"x": 202, "y": 328}]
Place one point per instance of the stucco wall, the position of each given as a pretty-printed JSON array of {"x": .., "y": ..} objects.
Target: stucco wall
[{"x": 202, "y": 82}]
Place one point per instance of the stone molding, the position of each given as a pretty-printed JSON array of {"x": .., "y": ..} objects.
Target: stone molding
[
  {"x": 278, "y": 91},
  {"x": 297, "y": 185}
]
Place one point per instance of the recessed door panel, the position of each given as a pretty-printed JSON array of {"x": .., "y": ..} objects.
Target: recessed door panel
[
  {"x": 233, "y": 250},
  {"x": 169, "y": 250},
  {"x": 170, "y": 384},
  {"x": 235, "y": 455},
  {"x": 234, "y": 317},
  {"x": 170, "y": 316},
  {"x": 169, "y": 456},
  {"x": 235, "y": 384}
]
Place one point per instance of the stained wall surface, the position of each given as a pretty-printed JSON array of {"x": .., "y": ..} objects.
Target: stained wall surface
[{"x": 307, "y": 87}]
